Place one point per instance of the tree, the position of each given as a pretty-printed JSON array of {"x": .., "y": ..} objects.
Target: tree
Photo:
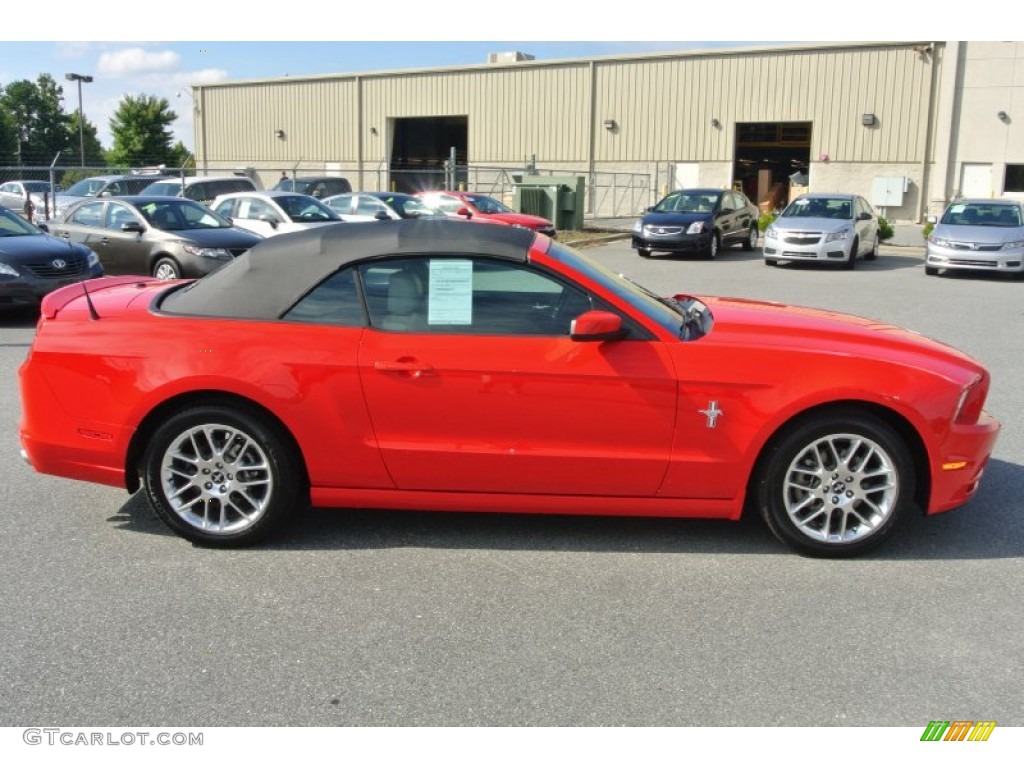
[
  {"x": 141, "y": 131},
  {"x": 8, "y": 138},
  {"x": 183, "y": 157},
  {"x": 41, "y": 127},
  {"x": 94, "y": 152}
]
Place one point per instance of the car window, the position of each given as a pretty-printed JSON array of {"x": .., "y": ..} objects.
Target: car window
[
  {"x": 982, "y": 214},
  {"x": 225, "y": 208},
  {"x": 369, "y": 206},
  {"x": 86, "y": 188},
  {"x": 119, "y": 215},
  {"x": 820, "y": 208},
  {"x": 341, "y": 203},
  {"x": 445, "y": 203},
  {"x": 686, "y": 202},
  {"x": 304, "y": 208},
  {"x": 171, "y": 188},
  {"x": 88, "y": 215},
  {"x": 254, "y": 208},
  {"x": 486, "y": 204},
  {"x": 12, "y": 225},
  {"x": 334, "y": 302},
  {"x": 8, "y": 189},
  {"x": 174, "y": 215},
  {"x": 469, "y": 296}
]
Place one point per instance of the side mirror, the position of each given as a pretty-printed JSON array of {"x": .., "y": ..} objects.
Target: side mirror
[
  {"x": 271, "y": 220},
  {"x": 464, "y": 212},
  {"x": 932, "y": 219},
  {"x": 132, "y": 226},
  {"x": 43, "y": 226},
  {"x": 381, "y": 216},
  {"x": 597, "y": 325},
  {"x": 648, "y": 209},
  {"x": 865, "y": 216}
]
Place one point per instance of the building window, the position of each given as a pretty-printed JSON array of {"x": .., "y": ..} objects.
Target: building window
[{"x": 1014, "y": 178}]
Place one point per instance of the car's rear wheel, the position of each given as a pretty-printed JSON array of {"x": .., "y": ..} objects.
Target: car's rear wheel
[
  {"x": 221, "y": 476},
  {"x": 166, "y": 268},
  {"x": 836, "y": 485},
  {"x": 873, "y": 253},
  {"x": 714, "y": 245},
  {"x": 751, "y": 242},
  {"x": 851, "y": 263}
]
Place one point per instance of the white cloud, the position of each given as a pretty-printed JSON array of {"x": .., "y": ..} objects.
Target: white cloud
[{"x": 132, "y": 61}]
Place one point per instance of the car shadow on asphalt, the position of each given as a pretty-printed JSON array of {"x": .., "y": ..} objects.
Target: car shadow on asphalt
[
  {"x": 884, "y": 263},
  {"x": 990, "y": 526},
  {"x": 19, "y": 317}
]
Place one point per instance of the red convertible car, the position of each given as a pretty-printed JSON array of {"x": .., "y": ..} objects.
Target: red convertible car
[{"x": 432, "y": 366}]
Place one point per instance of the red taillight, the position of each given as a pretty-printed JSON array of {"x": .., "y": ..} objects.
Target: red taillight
[{"x": 972, "y": 401}]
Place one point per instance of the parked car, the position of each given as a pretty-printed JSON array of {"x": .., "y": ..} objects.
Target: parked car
[
  {"x": 319, "y": 187},
  {"x": 14, "y": 193},
  {"x": 161, "y": 236},
  {"x": 33, "y": 263},
  {"x": 102, "y": 186},
  {"x": 434, "y": 365},
  {"x": 697, "y": 221},
  {"x": 274, "y": 212},
  {"x": 202, "y": 189},
  {"x": 978, "y": 235},
  {"x": 471, "y": 205},
  {"x": 370, "y": 206},
  {"x": 823, "y": 227}
]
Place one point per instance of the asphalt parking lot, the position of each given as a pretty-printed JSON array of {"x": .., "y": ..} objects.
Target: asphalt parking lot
[{"x": 374, "y": 618}]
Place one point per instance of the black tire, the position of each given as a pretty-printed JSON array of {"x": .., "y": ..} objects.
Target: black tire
[
  {"x": 835, "y": 485},
  {"x": 166, "y": 268},
  {"x": 771, "y": 262},
  {"x": 714, "y": 245},
  {"x": 644, "y": 252},
  {"x": 851, "y": 263},
  {"x": 232, "y": 478},
  {"x": 873, "y": 253},
  {"x": 931, "y": 271},
  {"x": 751, "y": 242}
]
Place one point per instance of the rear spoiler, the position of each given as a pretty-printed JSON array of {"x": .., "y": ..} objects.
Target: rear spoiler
[{"x": 55, "y": 301}]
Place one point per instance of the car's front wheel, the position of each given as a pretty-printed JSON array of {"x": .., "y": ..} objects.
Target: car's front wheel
[
  {"x": 836, "y": 485},
  {"x": 166, "y": 268},
  {"x": 851, "y": 262},
  {"x": 222, "y": 476},
  {"x": 644, "y": 252},
  {"x": 714, "y": 245},
  {"x": 872, "y": 255},
  {"x": 931, "y": 271}
]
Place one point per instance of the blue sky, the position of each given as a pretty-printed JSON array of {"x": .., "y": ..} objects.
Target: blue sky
[{"x": 417, "y": 34}]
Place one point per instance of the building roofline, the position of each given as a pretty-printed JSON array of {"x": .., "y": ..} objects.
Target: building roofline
[{"x": 694, "y": 53}]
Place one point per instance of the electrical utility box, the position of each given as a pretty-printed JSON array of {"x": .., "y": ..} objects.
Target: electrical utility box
[
  {"x": 559, "y": 199},
  {"x": 888, "y": 191}
]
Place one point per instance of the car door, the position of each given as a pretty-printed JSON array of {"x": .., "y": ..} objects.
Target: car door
[
  {"x": 127, "y": 252},
  {"x": 745, "y": 218},
  {"x": 84, "y": 225},
  {"x": 725, "y": 219},
  {"x": 474, "y": 385}
]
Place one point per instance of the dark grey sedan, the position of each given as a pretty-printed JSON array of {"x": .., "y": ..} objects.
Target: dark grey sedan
[
  {"x": 697, "y": 221},
  {"x": 32, "y": 263},
  {"x": 167, "y": 237}
]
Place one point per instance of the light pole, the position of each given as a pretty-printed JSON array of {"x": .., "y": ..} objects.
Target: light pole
[{"x": 81, "y": 123}]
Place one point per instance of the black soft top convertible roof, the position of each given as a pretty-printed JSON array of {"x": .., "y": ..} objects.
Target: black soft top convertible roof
[{"x": 267, "y": 280}]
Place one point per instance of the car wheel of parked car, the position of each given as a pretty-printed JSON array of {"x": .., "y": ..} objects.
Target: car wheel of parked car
[
  {"x": 851, "y": 263},
  {"x": 771, "y": 262},
  {"x": 166, "y": 269},
  {"x": 836, "y": 485},
  {"x": 751, "y": 242},
  {"x": 714, "y": 245},
  {"x": 931, "y": 271},
  {"x": 873, "y": 253},
  {"x": 220, "y": 476},
  {"x": 644, "y": 252}
]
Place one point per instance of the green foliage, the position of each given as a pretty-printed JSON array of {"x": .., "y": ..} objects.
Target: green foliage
[
  {"x": 8, "y": 139},
  {"x": 94, "y": 154},
  {"x": 765, "y": 220},
  {"x": 885, "y": 230},
  {"x": 183, "y": 157},
  {"x": 141, "y": 130},
  {"x": 928, "y": 227},
  {"x": 41, "y": 129}
]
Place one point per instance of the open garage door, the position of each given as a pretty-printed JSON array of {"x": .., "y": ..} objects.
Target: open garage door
[
  {"x": 770, "y": 158},
  {"x": 420, "y": 147}
]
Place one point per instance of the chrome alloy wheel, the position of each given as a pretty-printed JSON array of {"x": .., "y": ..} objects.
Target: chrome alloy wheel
[
  {"x": 216, "y": 478},
  {"x": 165, "y": 271},
  {"x": 841, "y": 488}
]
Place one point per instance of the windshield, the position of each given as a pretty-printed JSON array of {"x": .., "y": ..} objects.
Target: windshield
[
  {"x": 171, "y": 188},
  {"x": 37, "y": 186},
  {"x": 305, "y": 208},
  {"x": 663, "y": 311},
  {"x": 820, "y": 208},
  {"x": 12, "y": 225},
  {"x": 688, "y": 202},
  {"x": 486, "y": 204},
  {"x": 87, "y": 188},
  {"x": 982, "y": 215},
  {"x": 175, "y": 215}
]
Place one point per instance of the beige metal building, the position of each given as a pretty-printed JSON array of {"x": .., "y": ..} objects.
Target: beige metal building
[{"x": 909, "y": 125}]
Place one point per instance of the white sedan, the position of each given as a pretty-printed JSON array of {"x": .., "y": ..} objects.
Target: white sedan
[
  {"x": 274, "y": 212},
  {"x": 370, "y": 206}
]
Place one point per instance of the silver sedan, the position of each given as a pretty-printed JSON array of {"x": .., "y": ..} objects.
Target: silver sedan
[
  {"x": 823, "y": 227},
  {"x": 986, "y": 235}
]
